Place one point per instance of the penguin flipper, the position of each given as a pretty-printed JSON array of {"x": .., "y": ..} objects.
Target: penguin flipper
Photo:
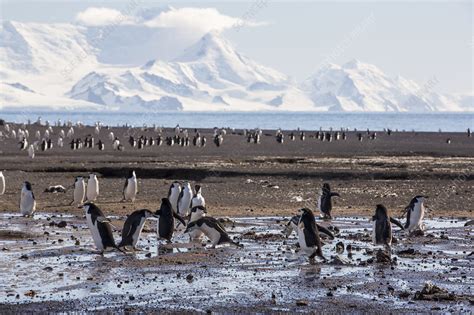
[
  {"x": 180, "y": 218},
  {"x": 103, "y": 220},
  {"x": 397, "y": 223},
  {"x": 335, "y": 194},
  {"x": 325, "y": 231}
]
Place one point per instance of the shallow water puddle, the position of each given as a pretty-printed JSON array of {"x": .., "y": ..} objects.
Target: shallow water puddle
[{"x": 42, "y": 262}]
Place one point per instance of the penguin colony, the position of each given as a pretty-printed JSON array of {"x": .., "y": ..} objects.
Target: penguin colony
[{"x": 185, "y": 208}]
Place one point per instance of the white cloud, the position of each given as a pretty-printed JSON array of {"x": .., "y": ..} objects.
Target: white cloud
[
  {"x": 198, "y": 19},
  {"x": 94, "y": 16}
]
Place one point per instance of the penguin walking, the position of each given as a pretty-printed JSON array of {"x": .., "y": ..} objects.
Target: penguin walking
[
  {"x": 198, "y": 199},
  {"x": 79, "y": 191},
  {"x": 325, "y": 201},
  {"x": 292, "y": 225},
  {"x": 382, "y": 227},
  {"x": 2, "y": 183},
  {"x": 92, "y": 188},
  {"x": 27, "y": 200},
  {"x": 415, "y": 212},
  {"x": 130, "y": 188},
  {"x": 100, "y": 228},
  {"x": 308, "y": 235},
  {"x": 166, "y": 218},
  {"x": 213, "y": 229},
  {"x": 173, "y": 195},
  {"x": 133, "y": 228},
  {"x": 184, "y": 200}
]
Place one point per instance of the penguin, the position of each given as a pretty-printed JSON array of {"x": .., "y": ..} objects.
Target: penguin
[
  {"x": 92, "y": 188},
  {"x": 198, "y": 199},
  {"x": 27, "y": 200},
  {"x": 382, "y": 227},
  {"x": 133, "y": 228},
  {"x": 213, "y": 230},
  {"x": 2, "y": 183},
  {"x": 292, "y": 225},
  {"x": 99, "y": 226},
  {"x": 44, "y": 145},
  {"x": 184, "y": 200},
  {"x": 218, "y": 140},
  {"x": 197, "y": 212},
  {"x": 50, "y": 144},
  {"x": 101, "y": 145},
  {"x": 79, "y": 191},
  {"x": 415, "y": 212},
  {"x": 23, "y": 144},
  {"x": 173, "y": 195},
  {"x": 130, "y": 188},
  {"x": 308, "y": 235},
  {"x": 325, "y": 202},
  {"x": 31, "y": 151},
  {"x": 116, "y": 144},
  {"x": 60, "y": 142},
  {"x": 203, "y": 141},
  {"x": 165, "y": 227}
]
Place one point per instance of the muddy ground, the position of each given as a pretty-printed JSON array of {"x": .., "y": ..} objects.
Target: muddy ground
[{"x": 260, "y": 186}]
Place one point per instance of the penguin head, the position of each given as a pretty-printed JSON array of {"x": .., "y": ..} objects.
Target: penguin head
[
  {"x": 307, "y": 212},
  {"x": 380, "y": 212},
  {"x": 149, "y": 214},
  {"x": 175, "y": 184},
  {"x": 131, "y": 174},
  {"x": 199, "y": 210},
  {"x": 89, "y": 207},
  {"x": 419, "y": 198},
  {"x": 191, "y": 227},
  {"x": 187, "y": 186},
  {"x": 27, "y": 185},
  {"x": 198, "y": 189},
  {"x": 326, "y": 187}
]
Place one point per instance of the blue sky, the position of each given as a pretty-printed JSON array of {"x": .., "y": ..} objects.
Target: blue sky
[{"x": 417, "y": 40}]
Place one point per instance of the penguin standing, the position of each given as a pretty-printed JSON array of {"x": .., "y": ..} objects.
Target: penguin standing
[
  {"x": 31, "y": 151},
  {"x": 27, "y": 200},
  {"x": 2, "y": 183},
  {"x": 133, "y": 227},
  {"x": 130, "y": 188},
  {"x": 308, "y": 235},
  {"x": 167, "y": 215},
  {"x": 184, "y": 200},
  {"x": 382, "y": 227},
  {"x": 173, "y": 195},
  {"x": 325, "y": 202},
  {"x": 198, "y": 199},
  {"x": 213, "y": 230},
  {"x": 92, "y": 188},
  {"x": 79, "y": 191},
  {"x": 99, "y": 226},
  {"x": 415, "y": 213}
]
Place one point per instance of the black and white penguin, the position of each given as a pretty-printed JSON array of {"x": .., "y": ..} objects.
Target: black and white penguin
[
  {"x": 218, "y": 140},
  {"x": 184, "y": 200},
  {"x": 308, "y": 235},
  {"x": 325, "y": 201},
  {"x": 130, "y": 187},
  {"x": 2, "y": 183},
  {"x": 27, "y": 200},
  {"x": 79, "y": 191},
  {"x": 415, "y": 212},
  {"x": 203, "y": 141},
  {"x": 382, "y": 227},
  {"x": 198, "y": 199},
  {"x": 173, "y": 195},
  {"x": 92, "y": 188},
  {"x": 23, "y": 144},
  {"x": 100, "y": 228},
  {"x": 196, "y": 213},
  {"x": 101, "y": 145},
  {"x": 213, "y": 230},
  {"x": 292, "y": 225},
  {"x": 165, "y": 228},
  {"x": 133, "y": 227}
]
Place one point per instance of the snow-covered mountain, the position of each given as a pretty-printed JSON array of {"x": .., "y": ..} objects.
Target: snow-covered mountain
[
  {"x": 78, "y": 67},
  {"x": 210, "y": 75},
  {"x": 357, "y": 86}
]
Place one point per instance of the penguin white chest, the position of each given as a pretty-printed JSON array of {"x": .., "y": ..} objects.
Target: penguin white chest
[
  {"x": 374, "y": 235},
  {"x": 92, "y": 189},
  {"x": 211, "y": 233},
  {"x": 131, "y": 189},
  {"x": 27, "y": 203},
  {"x": 302, "y": 240},
  {"x": 95, "y": 232},
  {"x": 2, "y": 184},
  {"x": 136, "y": 234},
  {"x": 79, "y": 192},
  {"x": 416, "y": 217}
]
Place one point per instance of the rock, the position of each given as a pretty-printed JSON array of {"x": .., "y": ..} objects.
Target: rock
[
  {"x": 383, "y": 257},
  {"x": 302, "y": 303},
  {"x": 62, "y": 224},
  {"x": 48, "y": 268},
  {"x": 190, "y": 278},
  {"x": 431, "y": 292}
]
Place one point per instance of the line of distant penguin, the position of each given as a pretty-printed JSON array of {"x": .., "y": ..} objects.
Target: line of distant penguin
[
  {"x": 44, "y": 142},
  {"x": 188, "y": 207}
]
